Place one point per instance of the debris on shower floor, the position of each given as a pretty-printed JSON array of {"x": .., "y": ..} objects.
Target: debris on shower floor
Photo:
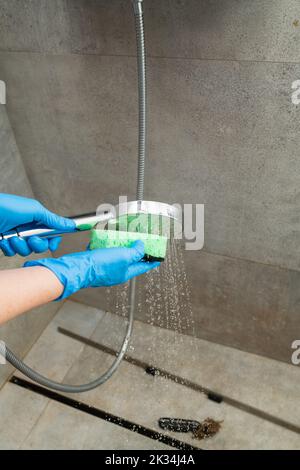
[
  {"x": 152, "y": 371},
  {"x": 200, "y": 430},
  {"x": 208, "y": 428}
]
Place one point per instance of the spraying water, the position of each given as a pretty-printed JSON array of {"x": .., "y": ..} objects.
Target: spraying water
[{"x": 163, "y": 298}]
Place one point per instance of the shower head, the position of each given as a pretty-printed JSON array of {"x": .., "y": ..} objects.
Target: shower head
[{"x": 149, "y": 221}]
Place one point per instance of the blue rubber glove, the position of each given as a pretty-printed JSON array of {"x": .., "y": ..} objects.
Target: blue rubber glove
[
  {"x": 16, "y": 211},
  {"x": 96, "y": 268}
]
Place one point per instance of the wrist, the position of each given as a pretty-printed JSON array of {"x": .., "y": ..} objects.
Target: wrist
[
  {"x": 66, "y": 272},
  {"x": 53, "y": 286}
]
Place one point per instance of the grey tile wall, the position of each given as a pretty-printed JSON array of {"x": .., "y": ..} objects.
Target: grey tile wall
[
  {"x": 260, "y": 30},
  {"x": 223, "y": 131}
]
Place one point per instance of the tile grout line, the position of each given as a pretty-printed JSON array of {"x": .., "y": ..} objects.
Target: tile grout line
[
  {"x": 150, "y": 56},
  {"x": 14, "y": 371},
  {"x": 12, "y": 377},
  {"x": 252, "y": 261},
  {"x": 35, "y": 422}
]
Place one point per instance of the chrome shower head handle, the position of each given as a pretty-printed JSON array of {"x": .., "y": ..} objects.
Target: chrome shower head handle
[{"x": 82, "y": 222}]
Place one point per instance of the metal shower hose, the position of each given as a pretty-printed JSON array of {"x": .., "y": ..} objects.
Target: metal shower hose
[{"x": 5, "y": 351}]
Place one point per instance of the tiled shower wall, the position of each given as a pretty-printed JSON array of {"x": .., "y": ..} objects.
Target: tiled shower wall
[{"x": 223, "y": 131}]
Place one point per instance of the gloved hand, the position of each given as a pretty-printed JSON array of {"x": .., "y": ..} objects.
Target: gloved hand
[
  {"x": 15, "y": 211},
  {"x": 96, "y": 268}
]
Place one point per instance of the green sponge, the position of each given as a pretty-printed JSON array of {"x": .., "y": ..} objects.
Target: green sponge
[{"x": 155, "y": 245}]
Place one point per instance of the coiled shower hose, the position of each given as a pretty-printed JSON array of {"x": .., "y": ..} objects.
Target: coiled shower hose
[{"x": 4, "y": 350}]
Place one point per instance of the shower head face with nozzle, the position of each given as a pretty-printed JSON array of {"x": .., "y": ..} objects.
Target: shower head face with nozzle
[{"x": 148, "y": 221}]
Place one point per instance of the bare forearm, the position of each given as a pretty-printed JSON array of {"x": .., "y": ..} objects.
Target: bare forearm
[{"x": 26, "y": 288}]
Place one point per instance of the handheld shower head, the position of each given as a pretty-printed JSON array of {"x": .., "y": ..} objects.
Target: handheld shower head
[{"x": 149, "y": 221}]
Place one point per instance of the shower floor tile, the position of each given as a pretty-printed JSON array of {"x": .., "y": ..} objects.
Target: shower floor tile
[{"x": 34, "y": 421}]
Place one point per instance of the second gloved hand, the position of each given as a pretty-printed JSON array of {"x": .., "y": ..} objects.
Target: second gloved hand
[{"x": 96, "y": 268}]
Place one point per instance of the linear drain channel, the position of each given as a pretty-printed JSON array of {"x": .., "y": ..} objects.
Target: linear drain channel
[{"x": 90, "y": 410}]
